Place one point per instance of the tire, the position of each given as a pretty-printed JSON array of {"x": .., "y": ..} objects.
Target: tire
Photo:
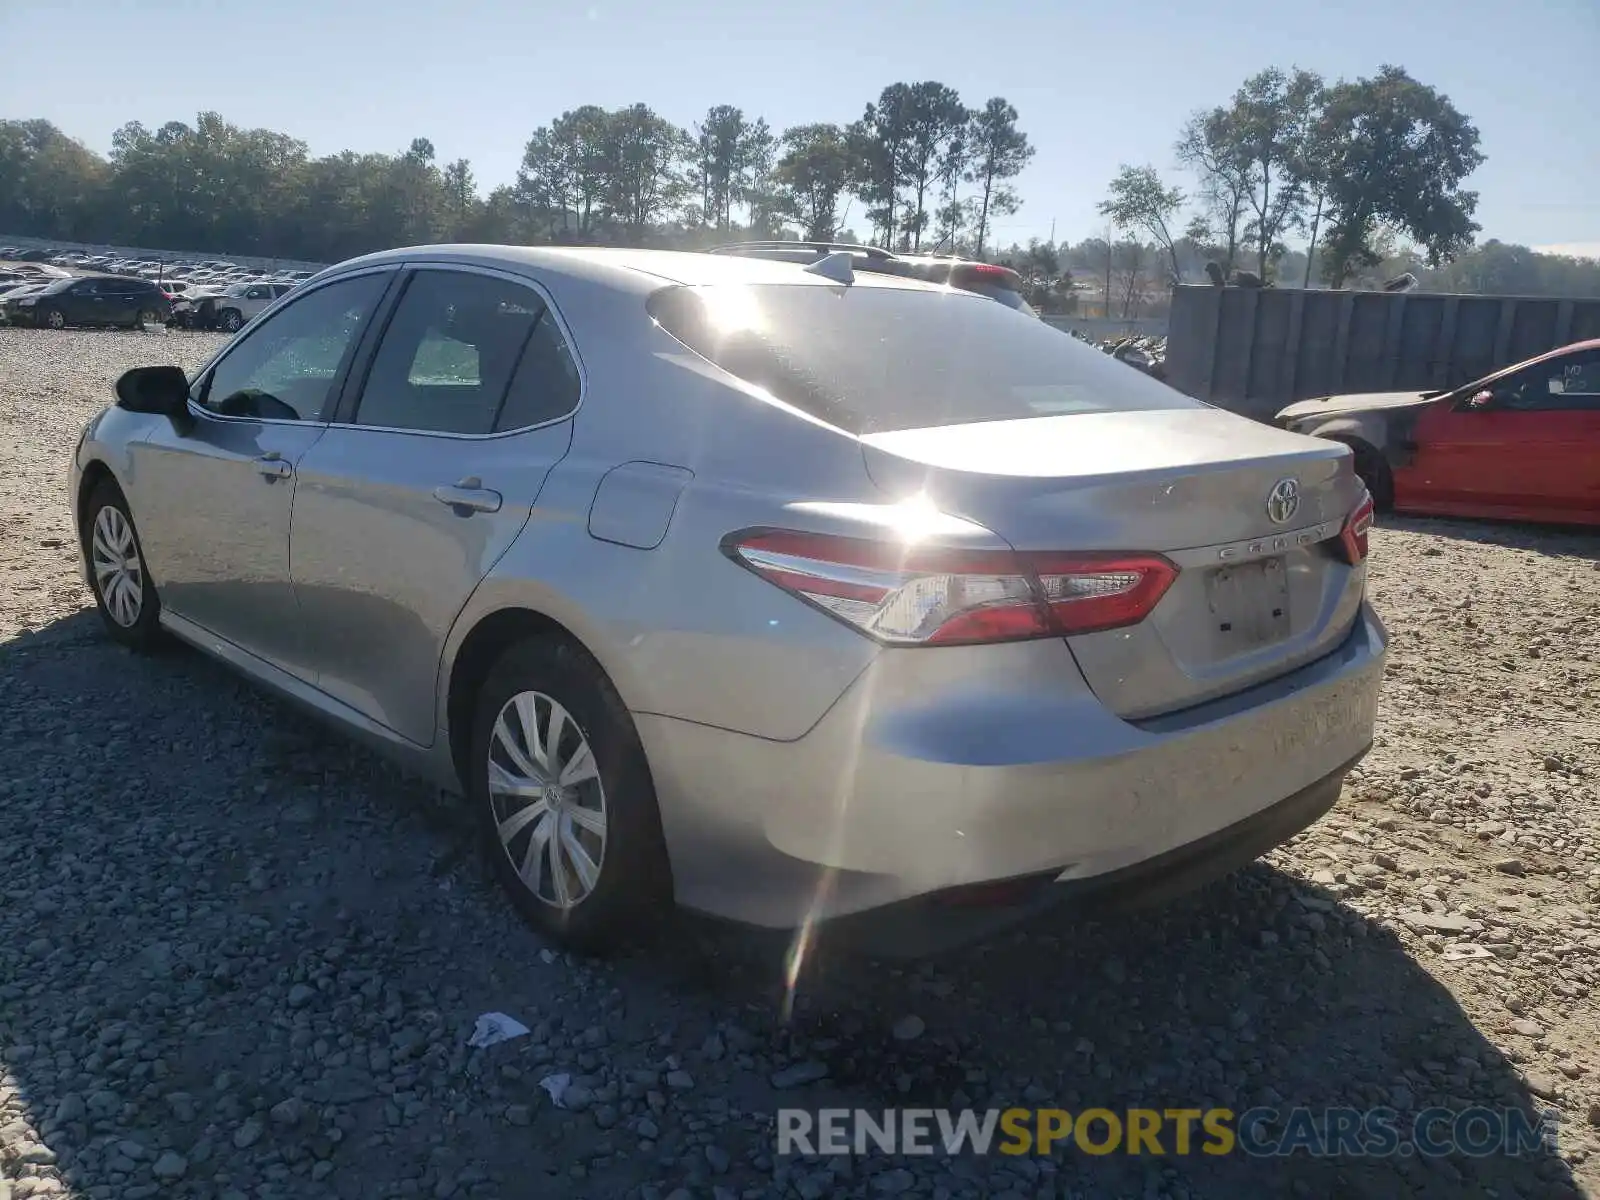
[
  {"x": 628, "y": 885},
  {"x": 1374, "y": 472},
  {"x": 231, "y": 320},
  {"x": 130, "y": 608},
  {"x": 54, "y": 318},
  {"x": 146, "y": 318}
]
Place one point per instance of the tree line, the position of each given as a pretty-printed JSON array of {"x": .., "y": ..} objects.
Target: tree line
[
  {"x": 926, "y": 169},
  {"x": 1291, "y": 179},
  {"x": 1346, "y": 165}
]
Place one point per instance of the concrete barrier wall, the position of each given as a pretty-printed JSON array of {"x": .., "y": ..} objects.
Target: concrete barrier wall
[{"x": 1253, "y": 350}]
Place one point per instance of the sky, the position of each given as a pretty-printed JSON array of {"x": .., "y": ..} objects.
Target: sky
[{"x": 1095, "y": 85}]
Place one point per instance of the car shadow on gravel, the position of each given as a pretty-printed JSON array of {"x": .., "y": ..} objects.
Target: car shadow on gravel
[
  {"x": 1566, "y": 541},
  {"x": 1257, "y": 992},
  {"x": 242, "y": 958}
]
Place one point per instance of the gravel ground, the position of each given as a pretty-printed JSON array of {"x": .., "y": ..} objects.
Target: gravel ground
[{"x": 241, "y": 958}]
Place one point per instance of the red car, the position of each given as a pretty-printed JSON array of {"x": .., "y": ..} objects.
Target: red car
[{"x": 1523, "y": 443}]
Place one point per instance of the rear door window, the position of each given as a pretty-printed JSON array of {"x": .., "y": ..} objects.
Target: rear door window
[
  {"x": 871, "y": 359},
  {"x": 464, "y": 354}
]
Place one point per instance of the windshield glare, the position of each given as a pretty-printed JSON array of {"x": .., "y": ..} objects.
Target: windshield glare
[{"x": 875, "y": 359}]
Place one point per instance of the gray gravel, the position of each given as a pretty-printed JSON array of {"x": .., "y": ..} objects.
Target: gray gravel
[{"x": 241, "y": 958}]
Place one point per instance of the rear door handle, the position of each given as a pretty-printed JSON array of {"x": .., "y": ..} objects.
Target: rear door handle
[
  {"x": 468, "y": 496},
  {"x": 272, "y": 465}
]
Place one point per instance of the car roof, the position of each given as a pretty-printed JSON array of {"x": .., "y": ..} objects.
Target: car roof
[
  {"x": 1558, "y": 352},
  {"x": 636, "y": 270}
]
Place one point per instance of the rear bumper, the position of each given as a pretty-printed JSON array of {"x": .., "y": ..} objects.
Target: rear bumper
[
  {"x": 941, "y": 770},
  {"x": 944, "y": 920}
]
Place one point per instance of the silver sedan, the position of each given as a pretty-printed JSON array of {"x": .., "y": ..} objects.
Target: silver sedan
[{"x": 801, "y": 597}]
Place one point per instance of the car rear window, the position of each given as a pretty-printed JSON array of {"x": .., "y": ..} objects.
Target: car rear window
[{"x": 877, "y": 359}]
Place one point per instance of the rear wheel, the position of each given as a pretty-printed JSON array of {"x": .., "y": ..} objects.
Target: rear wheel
[
  {"x": 122, "y": 589},
  {"x": 55, "y": 318},
  {"x": 562, "y": 792},
  {"x": 231, "y": 320},
  {"x": 146, "y": 318}
]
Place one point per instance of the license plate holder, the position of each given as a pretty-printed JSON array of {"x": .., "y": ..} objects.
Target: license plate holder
[{"x": 1249, "y": 604}]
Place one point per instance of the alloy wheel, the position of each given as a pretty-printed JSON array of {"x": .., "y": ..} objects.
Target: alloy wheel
[
  {"x": 547, "y": 800},
  {"x": 118, "y": 573},
  {"x": 55, "y": 319}
]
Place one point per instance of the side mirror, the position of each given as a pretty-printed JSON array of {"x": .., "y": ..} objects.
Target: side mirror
[
  {"x": 163, "y": 391},
  {"x": 1481, "y": 399}
]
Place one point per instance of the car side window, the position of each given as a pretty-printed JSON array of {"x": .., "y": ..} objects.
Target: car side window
[
  {"x": 1565, "y": 383},
  {"x": 286, "y": 368},
  {"x": 451, "y": 354},
  {"x": 546, "y": 384}
]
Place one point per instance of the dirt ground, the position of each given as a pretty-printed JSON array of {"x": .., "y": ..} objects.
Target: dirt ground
[{"x": 241, "y": 958}]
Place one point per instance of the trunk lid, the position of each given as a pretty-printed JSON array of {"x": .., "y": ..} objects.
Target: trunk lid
[{"x": 1255, "y": 597}]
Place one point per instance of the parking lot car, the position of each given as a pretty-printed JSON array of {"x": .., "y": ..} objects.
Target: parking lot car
[
  {"x": 241, "y": 302},
  {"x": 91, "y": 300},
  {"x": 785, "y": 595},
  {"x": 986, "y": 279},
  {"x": 1522, "y": 443}
]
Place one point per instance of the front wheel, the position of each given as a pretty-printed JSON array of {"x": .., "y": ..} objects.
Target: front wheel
[
  {"x": 1374, "y": 471},
  {"x": 563, "y": 795},
  {"x": 123, "y": 592},
  {"x": 55, "y": 319},
  {"x": 232, "y": 320}
]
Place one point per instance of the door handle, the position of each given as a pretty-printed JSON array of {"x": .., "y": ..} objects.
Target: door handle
[
  {"x": 271, "y": 465},
  {"x": 468, "y": 496}
]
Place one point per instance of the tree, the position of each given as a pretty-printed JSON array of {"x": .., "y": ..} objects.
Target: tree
[
  {"x": 950, "y": 170},
  {"x": 564, "y": 169},
  {"x": 754, "y": 178},
  {"x": 935, "y": 120},
  {"x": 727, "y": 149},
  {"x": 999, "y": 151},
  {"x": 1139, "y": 200},
  {"x": 878, "y": 152},
  {"x": 1046, "y": 284},
  {"x": 1265, "y": 127},
  {"x": 1129, "y": 259},
  {"x": 642, "y": 166},
  {"x": 461, "y": 196},
  {"x": 811, "y": 174},
  {"x": 1396, "y": 152},
  {"x": 1212, "y": 147},
  {"x": 50, "y": 185}
]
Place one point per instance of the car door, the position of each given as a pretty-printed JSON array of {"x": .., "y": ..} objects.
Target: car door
[
  {"x": 1522, "y": 451},
  {"x": 122, "y": 302},
  {"x": 214, "y": 499},
  {"x": 424, "y": 481},
  {"x": 84, "y": 302},
  {"x": 256, "y": 297}
]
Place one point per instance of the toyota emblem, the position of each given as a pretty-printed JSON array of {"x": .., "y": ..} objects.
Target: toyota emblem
[{"x": 1283, "y": 501}]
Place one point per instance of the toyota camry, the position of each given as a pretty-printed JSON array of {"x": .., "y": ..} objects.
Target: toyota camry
[{"x": 796, "y": 595}]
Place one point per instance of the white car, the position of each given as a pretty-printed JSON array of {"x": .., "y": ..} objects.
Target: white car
[{"x": 240, "y": 303}]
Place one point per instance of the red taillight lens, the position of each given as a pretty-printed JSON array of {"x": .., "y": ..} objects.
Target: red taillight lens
[
  {"x": 934, "y": 597},
  {"x": 977, "y": 273},
  {"x": 1353, "y": 537}
]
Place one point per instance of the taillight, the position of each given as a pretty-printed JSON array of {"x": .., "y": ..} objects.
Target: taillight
[
  {"x": 978, "y": 273},
  {"x": 935, "y": 597},
  {"x": 1353, "y": 537}
]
